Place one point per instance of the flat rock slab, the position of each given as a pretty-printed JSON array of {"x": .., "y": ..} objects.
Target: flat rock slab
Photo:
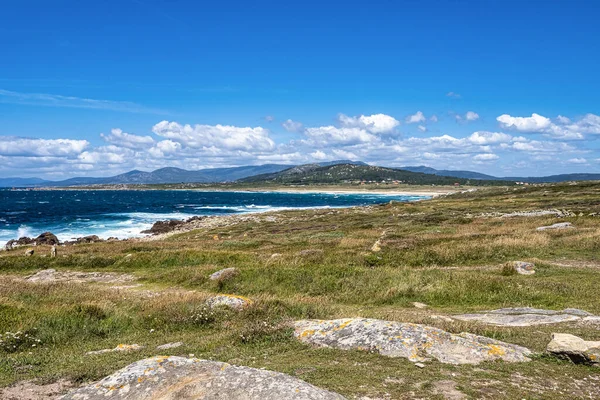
[
  {"x": 561, "y": 225},
  {"x": 574, "y": 348},
  {"x": 413, "y": 341},
  {"x": 168, "y": 346},
  {"x": 228, "y": 300},
  {"x": 119, "y": 348},
  {"x": 170, "y": 378},
  {"x": 51, "y": 275},
  {"x": 524, "y": 316}
]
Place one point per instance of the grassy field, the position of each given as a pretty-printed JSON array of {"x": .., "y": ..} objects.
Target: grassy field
[{"x": 447, "y": 252}]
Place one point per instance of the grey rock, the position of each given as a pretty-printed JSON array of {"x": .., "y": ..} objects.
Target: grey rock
[
  {"x": 561, "y": 225},
  {"x": 522, "y": 267},
  {"x": 574, "y": 348},
  {"x": 419, "y": 305},
  {"x": 416, "y": 342},
  {"x": 29, "y": 252},
  {"x": 168, "y": 346},
  {"x": 170, "y": 378},
  {"x": 524, "y": 316},
  {"x": 51, "y": 275},
  {"x": 228, "y": 300},
  {"x": 119, "y": 348},
  {"x": 224, "y": 274}
]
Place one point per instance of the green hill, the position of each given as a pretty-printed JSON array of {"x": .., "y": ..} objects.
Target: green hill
[{"x": 314, "y": 174}]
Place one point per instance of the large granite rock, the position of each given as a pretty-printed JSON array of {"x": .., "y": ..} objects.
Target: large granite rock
[
  {"x": 47, "y": 238},
  {"x": 524, "y": 316},
  {"x": 574, "y": 348},
  {"x": 170, "y": 378},
  {"x": 412, "y": 341}
]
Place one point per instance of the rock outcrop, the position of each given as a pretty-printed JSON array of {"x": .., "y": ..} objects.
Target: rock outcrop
[
  {"x": 413, "y": 341},
  {"x": 228, "y": 300},
  {"x": 169, "y": 378},
  {"x": 170, "y": 225},
  {"x": 521, "y": 267},
  {"x": 524, "y": 316},
  {"x": 560, "y": 225},
  {"x": 564, "y": 345},
  {"x": 46, "y": 238},
  {"x": 52, "y": 275}
]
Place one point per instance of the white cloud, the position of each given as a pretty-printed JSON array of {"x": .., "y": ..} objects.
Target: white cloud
[
  {"x": 453, "y": 95},
  {"x": 216, "y": 136},
  {"x": 14, "y": 146},
  {"x": 434, "y": 118},
  {"x": 486, "y": 157},
  {"x": 562, "y": 128},
  {"x": 124, "y": 139},
  {"x": 376, "y": 123},
  {"x": 292, "y": 126},
  {"x": 269, "y": 118},
  {"x": 318, "y": 155},
  {"x": 535, "y": 123},
  {"x": 422, "y": 128},
  {"x": 484, "y": 138},
  {"x": 333, "y": 136},
  {"x": 577, "y": 161},
  {"x": 418, "y": 117},
  {"x": 471, "y": 116}
]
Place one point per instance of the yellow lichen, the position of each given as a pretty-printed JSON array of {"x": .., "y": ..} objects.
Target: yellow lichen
[{"x": 496, "y": 350}]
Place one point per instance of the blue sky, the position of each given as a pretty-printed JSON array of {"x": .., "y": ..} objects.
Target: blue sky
[{"x": 85, "y": 86}]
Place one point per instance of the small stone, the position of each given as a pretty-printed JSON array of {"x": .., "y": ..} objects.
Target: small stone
[
  {"x": 29, "y": 252},
  {"x": 119, "y": 348},
  {"x": 419, "y": 305},
  {"x": 420, "y": 365},
  {"x": 522, "y": 267},
  {"x": 168, "y": 346},
  {"x": 579, "y": 351},
  {"x": 275, "y": 255},
  {"x": 224, "y": 274}
]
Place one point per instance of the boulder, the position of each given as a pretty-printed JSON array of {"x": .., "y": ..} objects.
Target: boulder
[
  {"x": 181, "y": 378},
  {"x": 521, "y": 267},
  {"x": 564, "y": 345},
  {"x": 413, "y": 341},
  {"x": 88, "y": 239},
  {"x": 119, "y": 348},
  {"x": 47, "y": 238},
  {"x": 560, "y": 225},
  {"x": 524, "y": 316},
  {"x": 228, "y": 300},
  {"x": 224, "y": 274},
  {"x": 170, "y": 225},
  {"x": 29, "y": 252}
]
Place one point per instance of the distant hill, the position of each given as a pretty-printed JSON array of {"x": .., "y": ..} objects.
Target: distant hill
[
  {"x": 477, "y": 175},
  {"x": 341, "y": 173},
  {"x": 163, "y": 175}
]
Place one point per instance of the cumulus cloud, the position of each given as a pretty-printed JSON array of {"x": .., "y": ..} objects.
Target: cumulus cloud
[
  {"x": 417, "y": 117},
  {"x": 333, "y": 136},
  {"x": 561, "y": 128},
  {"x": 471, "y": 116},
  {"x": 292, "y": 126},
  {"x": 434, "y": 118},
  {"x": 485, "y": 138},
  {"x": 486, "y": 157},
  {"x": 216, "y": 136},
  {"x": 377, "y": 123},
  {"x": 14, "y": 146},
  {"x": 128, "y": 140},
  {"x": 422, "y": 128},
  {"x": 577, "y": 161}
]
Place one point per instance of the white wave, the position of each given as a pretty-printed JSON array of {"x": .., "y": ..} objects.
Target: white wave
[{"x": 23, "y": 230}]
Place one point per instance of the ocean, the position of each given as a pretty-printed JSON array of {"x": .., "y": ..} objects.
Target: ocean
[{"x": 70, "y": 214}]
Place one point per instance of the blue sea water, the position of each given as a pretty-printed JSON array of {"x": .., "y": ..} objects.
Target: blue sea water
[{"x": 125, "y": 213}]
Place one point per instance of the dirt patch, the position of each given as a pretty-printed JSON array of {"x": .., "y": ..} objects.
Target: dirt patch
[{"x": 28, "y": 390}]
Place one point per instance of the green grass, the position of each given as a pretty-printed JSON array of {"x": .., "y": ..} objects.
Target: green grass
[{"x": 441, "y": 252}]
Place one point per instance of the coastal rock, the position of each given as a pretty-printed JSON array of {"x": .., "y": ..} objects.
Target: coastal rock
[
  {"x": 413, "y": 341},
  {"x": 88, "y": 239},
  {"x": 579, "y": 351},
  {"x": 224, "y": 274},
  {"x": 228, "y": 300},
  {"x": 47, "y": 238},
  {"x": 561, "y": 225},
  {"x": 164, "y": 226},
  {"x": 190, "y": 378},
  {"x": 523, "y": 316},
  {"x": 29, "y": 252},
  {"x": 168, "y": 346},
  {"x": 119, "y": 348},
  {"x": 521, "y": 267}
]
